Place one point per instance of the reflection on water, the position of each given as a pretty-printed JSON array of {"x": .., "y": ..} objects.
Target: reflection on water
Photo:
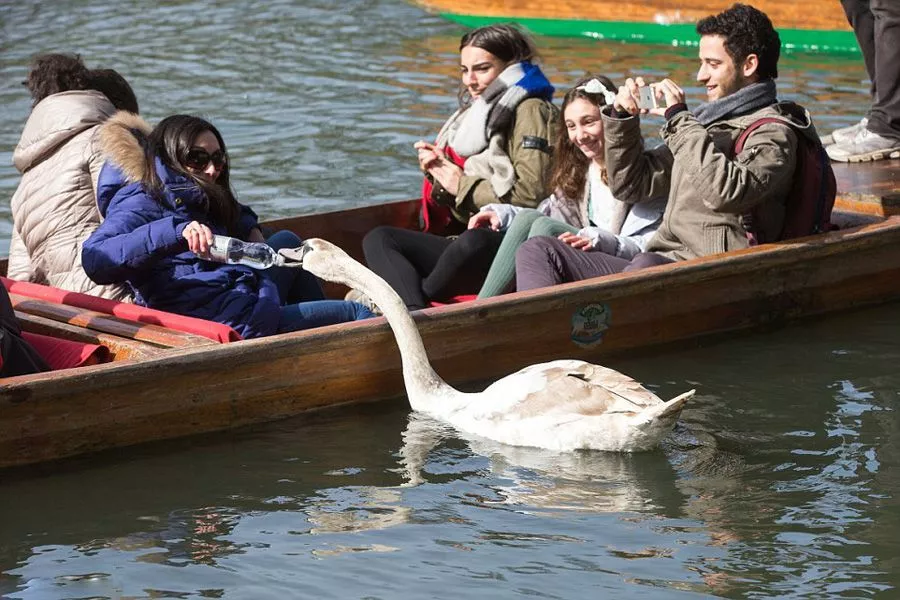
[{"x": 780, "y": 480}]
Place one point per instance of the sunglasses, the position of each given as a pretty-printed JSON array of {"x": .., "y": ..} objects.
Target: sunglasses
[{"x": 199, "y": 159}]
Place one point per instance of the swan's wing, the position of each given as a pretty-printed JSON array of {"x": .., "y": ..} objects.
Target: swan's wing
[
  {"x": 595, "y": 380},
  {"x": 566, "y": 386}
]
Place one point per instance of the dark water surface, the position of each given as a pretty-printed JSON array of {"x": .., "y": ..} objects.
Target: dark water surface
[{"x": 780, "y": 481}]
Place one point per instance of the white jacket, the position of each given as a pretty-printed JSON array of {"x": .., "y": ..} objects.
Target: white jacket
[{"x": 54, "y": 208}]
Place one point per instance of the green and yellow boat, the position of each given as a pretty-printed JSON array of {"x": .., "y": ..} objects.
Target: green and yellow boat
[{"x": 815, "y": 26}]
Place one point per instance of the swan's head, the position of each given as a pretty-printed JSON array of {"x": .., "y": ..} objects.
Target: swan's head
[{"x": 321, "y": 258}]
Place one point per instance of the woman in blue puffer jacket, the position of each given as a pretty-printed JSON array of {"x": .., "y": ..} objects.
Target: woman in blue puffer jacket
[{"x": 163, "y": 195}]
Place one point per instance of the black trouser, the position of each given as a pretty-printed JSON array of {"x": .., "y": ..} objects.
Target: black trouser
[
  {"x": 422, "y": 266},
  {"x": 19, "y": 358},
  {"x": 876, "y": 24}
]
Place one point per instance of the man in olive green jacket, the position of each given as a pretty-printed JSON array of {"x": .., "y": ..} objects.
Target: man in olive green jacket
[{"x": 709, "y": 190}]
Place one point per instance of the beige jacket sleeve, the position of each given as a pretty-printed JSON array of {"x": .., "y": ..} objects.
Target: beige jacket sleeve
[
  {"x": 763, "y": 170},
  {"x": 634, "y": 174},
  {"x": 530, "y": 153},
  {"x": 19, "y": 266}
]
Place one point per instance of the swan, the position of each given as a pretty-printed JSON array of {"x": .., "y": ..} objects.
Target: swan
[{"x": 562, "y": 405}]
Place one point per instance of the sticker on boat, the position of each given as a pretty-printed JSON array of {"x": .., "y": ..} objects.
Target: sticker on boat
[{"x": 589, "y": 323}]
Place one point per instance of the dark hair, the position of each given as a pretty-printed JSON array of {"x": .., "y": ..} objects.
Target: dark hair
[
  {"x": 115, "y": 87},
  {"x": 54, "y": 73},
  {"x": 746, "y": 31},
  {"x": 170, "y": 141},
  {"x": 505, "y": 41},
  {"x": 570, "y": 165}
]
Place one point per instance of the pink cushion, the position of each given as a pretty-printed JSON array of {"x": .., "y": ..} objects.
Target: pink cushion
[
  {"x": 132, "y": 312},
  {"x": 66, "y": 354},
  {"x": 455, "y": 300}
]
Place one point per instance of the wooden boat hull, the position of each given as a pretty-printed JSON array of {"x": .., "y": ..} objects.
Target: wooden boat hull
[
  {"x": 180, "y": 391},
  {"x": 819, "y": 26}
]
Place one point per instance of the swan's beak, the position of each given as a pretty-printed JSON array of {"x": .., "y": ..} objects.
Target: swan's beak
[{"x": 296, "y": 255}]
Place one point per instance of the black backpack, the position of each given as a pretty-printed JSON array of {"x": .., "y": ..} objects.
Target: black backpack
[{"x": 811, "y": 199}]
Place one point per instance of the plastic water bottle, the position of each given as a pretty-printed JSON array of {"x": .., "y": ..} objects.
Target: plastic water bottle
[{"x": 233, "y": 251}]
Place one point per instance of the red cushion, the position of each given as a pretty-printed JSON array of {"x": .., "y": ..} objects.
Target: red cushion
[
  {"x": 455, "y": 300},
  {"x": 65, "y": 354},
  {"x": 124, "y": 310}
]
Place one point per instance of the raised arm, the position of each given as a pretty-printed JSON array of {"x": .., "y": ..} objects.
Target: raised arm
[{"x": 133, "y": 236}]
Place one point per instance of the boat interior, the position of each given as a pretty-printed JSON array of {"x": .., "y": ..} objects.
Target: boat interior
[{"x": 867, "y": 193}]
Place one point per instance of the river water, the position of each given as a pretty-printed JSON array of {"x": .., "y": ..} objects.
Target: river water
[{"x": 780, "y": 480}]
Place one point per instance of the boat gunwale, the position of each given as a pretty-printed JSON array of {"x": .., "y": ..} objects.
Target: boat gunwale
[{"x": 301, "y": 343}]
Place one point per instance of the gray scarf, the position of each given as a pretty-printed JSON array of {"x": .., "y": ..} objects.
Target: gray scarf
[{"x": 744, "y": 101}]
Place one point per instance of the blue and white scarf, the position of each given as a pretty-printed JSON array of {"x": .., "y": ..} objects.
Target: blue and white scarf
[
  {"x": 493, "y": 111},
  {"x": 478, "y": 132}
]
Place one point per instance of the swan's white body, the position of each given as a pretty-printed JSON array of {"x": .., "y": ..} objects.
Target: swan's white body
[{"x": 560, "y": 405}]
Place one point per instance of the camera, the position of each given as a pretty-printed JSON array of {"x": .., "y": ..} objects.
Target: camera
[{"x": 647, "y": 97}]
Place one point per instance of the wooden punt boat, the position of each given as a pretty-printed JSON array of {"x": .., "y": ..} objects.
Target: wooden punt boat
[
  {"x": 163, "y": 384},
  {"x": 818, "y": 26}
]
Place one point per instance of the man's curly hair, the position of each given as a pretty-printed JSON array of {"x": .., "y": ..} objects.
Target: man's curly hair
[
  {"x": 55, "y": 73},
  {"x": 746, "y": 31}
]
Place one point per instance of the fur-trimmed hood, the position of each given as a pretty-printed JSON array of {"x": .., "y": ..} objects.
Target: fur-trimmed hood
[{"x": 121, "y": 142}]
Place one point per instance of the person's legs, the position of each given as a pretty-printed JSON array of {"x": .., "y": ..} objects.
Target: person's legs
[
  {"x": 647, "y": 259},
  {"x": 294, "y": 284},
  {"x": 527, "y": 224},
  {"x": 859, "y": 15},
  {"x": 545, "y": 261},
  {"x": 884, "y": 117},
  {"x": 403, "y": 258},
  {"x": 880, "y": 139},
  {"x": 307, "y": 315},
  {"x": 463, "y": 266}
]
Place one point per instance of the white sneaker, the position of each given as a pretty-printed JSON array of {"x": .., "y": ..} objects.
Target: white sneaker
[
  {"x": 845, "y": 134},
  {"x": 864, "y": 147}
]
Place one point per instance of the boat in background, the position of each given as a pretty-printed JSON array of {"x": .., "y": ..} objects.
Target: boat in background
[
  {"x": 162, "y": 384},
  {"x": 817, "y": 26}
]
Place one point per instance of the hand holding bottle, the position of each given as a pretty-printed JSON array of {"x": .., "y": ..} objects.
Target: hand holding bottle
[{"x": 199, "y": 237}]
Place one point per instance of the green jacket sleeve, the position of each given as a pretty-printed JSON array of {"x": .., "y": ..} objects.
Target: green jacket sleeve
[
  {"x": 530, "y": 152},
  {"x": 634, "y": 174}
]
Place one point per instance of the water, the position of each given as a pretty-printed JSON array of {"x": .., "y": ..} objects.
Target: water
[{"x": 780, "y": 481}]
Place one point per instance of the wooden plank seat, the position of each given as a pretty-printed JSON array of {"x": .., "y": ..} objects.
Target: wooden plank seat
[
  {"x": 118, "y": 348},
  {"x": 122, "y": 311},
  {"x": 90, "y": 319}
]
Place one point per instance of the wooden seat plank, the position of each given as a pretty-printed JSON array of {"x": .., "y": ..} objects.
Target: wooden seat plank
[
  {"x": 151, "y": 334},
  {"x": 119, "y": 348}
]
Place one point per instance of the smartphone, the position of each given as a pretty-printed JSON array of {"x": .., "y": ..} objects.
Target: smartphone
[{"x": 647, "y": 97}]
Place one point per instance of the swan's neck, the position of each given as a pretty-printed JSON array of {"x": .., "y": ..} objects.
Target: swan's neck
[{"x": 426, "y": 390}]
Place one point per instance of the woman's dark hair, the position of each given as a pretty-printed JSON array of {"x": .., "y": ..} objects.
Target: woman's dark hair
[
  {"x": 170, "y": 141},
  {"x": 54, "y": 73},
  {"x": 507, "y": 42},
  {"x": 112, "y": 85},
  {"x": 746, "y": 30},
  {"x": 570, "y": 165}
]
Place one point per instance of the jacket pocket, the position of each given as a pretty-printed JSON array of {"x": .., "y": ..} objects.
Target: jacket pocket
[{"x": 715, "y": 239}]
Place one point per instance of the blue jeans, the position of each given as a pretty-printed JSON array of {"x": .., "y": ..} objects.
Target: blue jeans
[{"x": 303, "y": 303}]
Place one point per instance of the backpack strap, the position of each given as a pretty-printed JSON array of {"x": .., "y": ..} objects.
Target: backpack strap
[{"x": 742, "y": 138}]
